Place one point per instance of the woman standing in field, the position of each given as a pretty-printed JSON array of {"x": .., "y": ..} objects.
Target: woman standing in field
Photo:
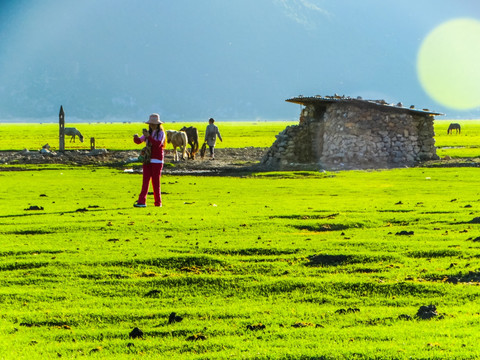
[
  {"x": 211, "y": 134},
  {"x": 154, "y": 138}
]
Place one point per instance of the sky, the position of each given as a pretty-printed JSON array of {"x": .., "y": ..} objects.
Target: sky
[{"x": 189, "y": 60}]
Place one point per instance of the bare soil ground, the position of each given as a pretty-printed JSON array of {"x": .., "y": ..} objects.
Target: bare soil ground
[{"x": 226, "y": 160}]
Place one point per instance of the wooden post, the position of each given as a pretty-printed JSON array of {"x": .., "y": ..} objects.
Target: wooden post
[
  {"x": 92, "y": 143},
  {"x": 61, "y": 125}
]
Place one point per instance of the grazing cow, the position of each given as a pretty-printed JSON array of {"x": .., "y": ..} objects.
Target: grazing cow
[
  {"x": 178, "y": 139},
  {"x": 454, "y": 126},
  {"x": 73, "y": 132},
  {"x": 192, "y": 136}
]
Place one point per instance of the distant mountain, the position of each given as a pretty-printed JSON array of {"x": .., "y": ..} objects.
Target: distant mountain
[{"x": 191, "y": 60}]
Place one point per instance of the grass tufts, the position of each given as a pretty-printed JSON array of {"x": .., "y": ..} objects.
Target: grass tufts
[
  {"x": 329, "y": 227},
  {"x": 22, "y": 266},
  {"x": 434, "y": 253},
  {"x": 305, "y": 217},
  {"x": 175, "y": 262}
]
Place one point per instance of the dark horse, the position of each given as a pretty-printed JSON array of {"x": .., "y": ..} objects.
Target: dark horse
[
  {"x": 192, "y": 135},
  {"x": 454, "y": 126}
]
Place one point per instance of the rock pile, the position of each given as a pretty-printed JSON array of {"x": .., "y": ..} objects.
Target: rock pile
[
  {"x": 297, "y": 147},
  {"x": 73, "y": 157}
]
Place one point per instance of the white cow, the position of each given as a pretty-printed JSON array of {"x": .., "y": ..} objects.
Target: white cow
[
  {"x": 73, "y": 132},
  {"x": 178, "y": 139}
]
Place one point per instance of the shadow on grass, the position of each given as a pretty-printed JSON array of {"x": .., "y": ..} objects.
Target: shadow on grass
[
  {"x": 337, "y": 260},
  {"x": 475, "y": 220},
  {"x": 29, "y": 232},
  {"x": 252, "y": 251},
  {"x": 469, "y": 277}
]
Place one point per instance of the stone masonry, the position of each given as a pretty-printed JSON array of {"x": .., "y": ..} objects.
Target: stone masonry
[{"x": 343, "y": 133}]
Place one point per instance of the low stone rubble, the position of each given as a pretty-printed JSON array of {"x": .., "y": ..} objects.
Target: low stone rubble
[{"x": 74, "y": 157}]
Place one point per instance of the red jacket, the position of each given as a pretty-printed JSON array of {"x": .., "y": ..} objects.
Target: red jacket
[{"x": 157, "y": 139}]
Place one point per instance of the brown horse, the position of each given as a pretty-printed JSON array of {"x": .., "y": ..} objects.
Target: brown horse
[
  {"x": 192, "y": 135},
  {"x": 454, "y": 126}
]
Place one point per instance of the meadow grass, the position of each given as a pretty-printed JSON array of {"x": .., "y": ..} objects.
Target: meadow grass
[
  {"x": 280, "y": 265},
  {"x": 333, "y": 265},
  {"x": 118, "y": 136},
  {"x": 463, "y": 145}
]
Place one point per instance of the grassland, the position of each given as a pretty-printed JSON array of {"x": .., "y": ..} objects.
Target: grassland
[
  {"x": 463, "y": 145},
  {"x": 298, "y": 265},
  {"x": 118, "y": 136}
]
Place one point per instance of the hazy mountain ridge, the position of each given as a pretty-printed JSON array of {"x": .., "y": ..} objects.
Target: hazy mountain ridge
[{"x": 193, "y": 60}]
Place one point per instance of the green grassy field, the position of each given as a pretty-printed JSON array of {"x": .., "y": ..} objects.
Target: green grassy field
[
  {"x": 297, "y": 265},
  {"x": 118, "y": 136},
  {"x": 80, "y": 274},
  {"x": 463, "y": 145}
]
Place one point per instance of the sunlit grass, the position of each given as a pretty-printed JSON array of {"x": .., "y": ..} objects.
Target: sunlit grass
[
  {"x": 119, "y": 136},
  {"x": 463, "y": 145},
  {"x": 292, "y": 251}
]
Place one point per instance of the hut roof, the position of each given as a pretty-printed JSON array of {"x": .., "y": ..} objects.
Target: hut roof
[{"x": 382, "y": 104}]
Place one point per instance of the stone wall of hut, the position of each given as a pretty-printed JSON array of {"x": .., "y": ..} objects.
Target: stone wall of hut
[{"x": 349, "y": 136}]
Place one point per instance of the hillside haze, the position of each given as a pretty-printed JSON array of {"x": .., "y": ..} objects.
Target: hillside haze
[{"x": 191, "y": 60}]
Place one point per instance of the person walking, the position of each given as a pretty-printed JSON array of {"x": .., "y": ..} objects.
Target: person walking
[
  {"x": 211, "y": 134},
  {"x": 154, "y": 139}
]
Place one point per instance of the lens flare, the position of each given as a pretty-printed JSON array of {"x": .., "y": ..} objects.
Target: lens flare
[{"x": 448, "y": 64}]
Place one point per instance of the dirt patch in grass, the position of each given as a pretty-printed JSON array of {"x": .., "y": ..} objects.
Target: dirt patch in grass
[
  {"x": 31, "y": 232},
  {"x": 328, "y": 227},
  {"x": 252, "y": 251},
  {"x": 305, "y": 217},
  {"x": 56, "y": 324},
  {"x": 460, "y": 162},
  {"x": 226, "y": 160}
]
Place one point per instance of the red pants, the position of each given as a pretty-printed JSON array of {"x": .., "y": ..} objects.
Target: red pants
[{"x": 154, "y": 172}]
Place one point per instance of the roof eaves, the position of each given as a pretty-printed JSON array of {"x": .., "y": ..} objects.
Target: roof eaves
[{"x": 307, "y": 100}]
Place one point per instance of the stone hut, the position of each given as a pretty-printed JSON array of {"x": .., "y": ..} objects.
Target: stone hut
[{"x": 338, "y": 132}]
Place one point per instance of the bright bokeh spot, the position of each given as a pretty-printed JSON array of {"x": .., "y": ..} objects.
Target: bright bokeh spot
[{"x": 448, "y": 64}]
